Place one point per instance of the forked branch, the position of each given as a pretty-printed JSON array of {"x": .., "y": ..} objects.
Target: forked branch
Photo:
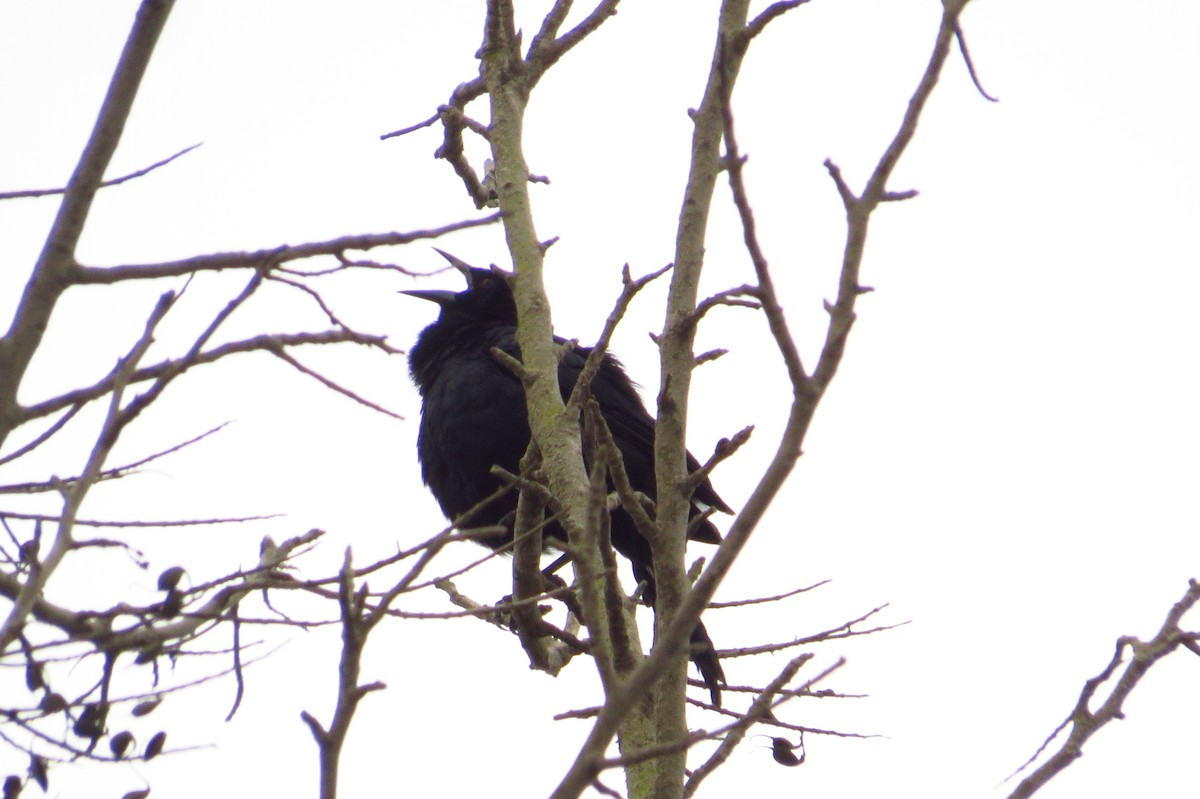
[{"x": 1085, "y": 722}]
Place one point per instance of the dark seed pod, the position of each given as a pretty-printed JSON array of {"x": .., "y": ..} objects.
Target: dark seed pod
[
  {"x": 37, "y": 770},
  {"x": 53, "y": 703},
  {"x": 12, "y": 786},
  {"x": 91, "y": 720},
  {"x": 28, "y": 554},
  {"x": 33, "y": 675},
  {"x": 781, "y": 750},
  {"x": 119, "y": 743},
  {"x": 155, "y": 747},
  {"x": 170, "y": 578},
  {"x": 139, "y": 794},
  {"x": 147, "y": 707}
]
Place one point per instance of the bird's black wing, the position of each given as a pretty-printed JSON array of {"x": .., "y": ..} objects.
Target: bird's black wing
[{"x": 632, "y": 429}]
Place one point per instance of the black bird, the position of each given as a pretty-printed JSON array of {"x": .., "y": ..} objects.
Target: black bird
[{"x": 473, "y": 416}]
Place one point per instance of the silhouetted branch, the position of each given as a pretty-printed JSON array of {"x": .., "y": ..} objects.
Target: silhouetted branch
[
  {"x": 44, "y": 436},
  {"x": 761, "y": 600},
  {"x": 546, "y": 50},
  {"x": 966, "y": 54},
  {"x": 634, "y": 502},
  {"x": 454, "y": 122},
  {"x": 765, "y": 18},
  {"x": 629, "y": 290},
  {"x": 97, "y": 627},
  {"x": 425, "y": 123},
  {"x": 1085, "y": 722},
  {"x": 354, "y": 633},
  {"x": 56, "y": 264},
  {"x": 254, "y": 259},
  {"x": 859, "y": 209},
  {"x": 261, "y": 343},
  {"x": 115, "y": 421},
  {"x": 13, "y": 195},
  {"x": 725, "y": 449},
  {"x": 111, "y": 473},
  {"x": 44, "y": 517},
  {"x": 845, "y": 630},
  {"x": 526, "y": 569},
  {"x": 759, "y": 709},
  {"x": 283, "y": 355},
  {"x": 677, "y": 362}
]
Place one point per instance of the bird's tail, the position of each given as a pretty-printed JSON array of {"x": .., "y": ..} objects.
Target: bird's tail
[{"x": 704, "y": 655}]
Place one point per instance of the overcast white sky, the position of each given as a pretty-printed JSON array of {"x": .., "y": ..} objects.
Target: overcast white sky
[{"x": 1008, "y": 456}]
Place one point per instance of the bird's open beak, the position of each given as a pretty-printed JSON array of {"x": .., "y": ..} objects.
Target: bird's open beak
[
  {"x": 441, "y": 297},
  {"x": 458, "y": 263}
]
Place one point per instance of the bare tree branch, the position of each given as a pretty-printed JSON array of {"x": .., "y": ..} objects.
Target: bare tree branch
[
  {"x": 263, "y": 343},
  {"x": 116, "y": 420},
  {"x": 1085, "y": 722},
  {"x": 546, "y": 50},
  {"x": 354, "y": 631},
  {"x": 54, "y": 266},
  {"x": 89, "y": 275},
  {"x": 44, "y": 436},
  {"x": 677, "y": 360},
  {"x": 45, "y": 517},
  {"x": 591, "y": 365},
  {"x": 14, "y": 195},
  {"x": 410, "y": 129},
  {"x": 770, "y": 599},
  {"x": 961, "y": 38},
  {"x": 282, "y": 354},
  {"x": 765, "y": 18},
  {"x": 761, "y": 708}
]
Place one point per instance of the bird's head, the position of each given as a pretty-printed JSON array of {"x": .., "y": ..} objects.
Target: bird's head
[{"x": 487, "y": 299}]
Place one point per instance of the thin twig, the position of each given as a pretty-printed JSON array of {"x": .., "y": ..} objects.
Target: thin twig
[
  {"x": 759, "y": 709},
  {"x": 14, "y": 195},
  {"x": 286, "y": 357},
  {"x": 966, "y": 54},
  {"x": 237, "y": 661},
  {"x": 44, "y": 436},
  {"x": 770, "y": 599},
  {"x": 410, "y": 129}
]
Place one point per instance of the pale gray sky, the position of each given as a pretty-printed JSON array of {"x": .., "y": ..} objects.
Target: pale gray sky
[{"x": 1008, "y": 456}]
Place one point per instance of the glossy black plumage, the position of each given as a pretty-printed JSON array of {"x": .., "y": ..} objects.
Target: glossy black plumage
[{"x": 473, "y": 416}]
